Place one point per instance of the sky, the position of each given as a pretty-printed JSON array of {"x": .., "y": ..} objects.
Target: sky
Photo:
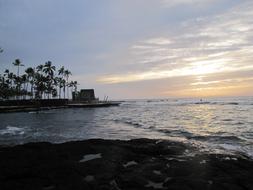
[{"x": 136, "y": 48}]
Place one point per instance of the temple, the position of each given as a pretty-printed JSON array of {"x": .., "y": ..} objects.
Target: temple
[{"x": 84, "y": 95}]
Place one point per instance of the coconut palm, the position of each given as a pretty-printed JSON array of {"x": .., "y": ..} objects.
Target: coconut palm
[
  {"x": 18, "y": 64},
  {"x": 4, "y": 88},
  {"x": 61, "y": 73},
  {"x": 31, "y": 74},
  {"x": 49, "y": 69},
  {"x": 24, "y": 81},
  {"x": 64, "y": 87},
  {"x": 41, "y": 81},
  {"x": 73, "y": 85},
  {"x": 40, "y": 85},
  {"x": 67, "y": 73},
  {"x": 58, "y": 83}
]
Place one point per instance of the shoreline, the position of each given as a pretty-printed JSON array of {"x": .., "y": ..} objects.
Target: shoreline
[
  {"x": 118, "y": 164},
  {"x": 29, "y": 108}
]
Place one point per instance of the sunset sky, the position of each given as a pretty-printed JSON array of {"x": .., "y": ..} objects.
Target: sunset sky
[{"x": 136, "y": 48}]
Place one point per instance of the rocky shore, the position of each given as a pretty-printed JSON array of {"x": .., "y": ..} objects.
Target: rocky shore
[{"x": 114, "y": 164}]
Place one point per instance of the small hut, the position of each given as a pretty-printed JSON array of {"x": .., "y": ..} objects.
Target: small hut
[{"x": 84, "y": 95}]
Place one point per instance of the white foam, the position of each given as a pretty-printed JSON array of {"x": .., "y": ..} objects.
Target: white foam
[
  {"x": 131, "y": 163},
  {"x": 229, "y": 147},
  {"x": 176, "y": 159},
  {"x": 89, "y": 157},
  {"x": 167, "y": 179},
  {"x": 157, "y": 172},
  {"x": 115, "y": 185},
  {"x": 10, "y": 130},
  {"x": 159, "y": 141},
  {"x": 154, "y": 185}
]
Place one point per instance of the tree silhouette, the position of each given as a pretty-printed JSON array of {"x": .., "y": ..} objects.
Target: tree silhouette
[{"x": 39, "y": 82}]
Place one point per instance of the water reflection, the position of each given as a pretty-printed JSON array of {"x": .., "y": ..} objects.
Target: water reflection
[{"x": 217, "y": 123}]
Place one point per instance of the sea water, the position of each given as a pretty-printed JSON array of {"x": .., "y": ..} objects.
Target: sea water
[{"x": 213, "y": 124}]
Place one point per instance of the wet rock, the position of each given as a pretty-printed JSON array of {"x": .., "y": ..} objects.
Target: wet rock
[{"x": 113, "y": 164}]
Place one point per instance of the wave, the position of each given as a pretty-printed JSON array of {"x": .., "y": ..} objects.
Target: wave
[
  {"x": 176, "y": 132},
  {"x": 205, "y": 103},
  {"x": 213, "y": 138},
  {"x": 219, "y": 103},
  {"x": 11, "y": 130},
  {"x": 135, "y": 124},
  {"x": 227, "y": 120},
  {"x": 202, "y": 103},
  {"x": 216, "y": 138}
]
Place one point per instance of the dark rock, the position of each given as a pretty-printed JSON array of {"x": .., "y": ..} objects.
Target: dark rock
[{"x": 114, "y": 164}]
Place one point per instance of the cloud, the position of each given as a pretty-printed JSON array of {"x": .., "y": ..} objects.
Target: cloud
[
  {"x": 217, "y": 44},
  {"x": 173, "y": 3}
]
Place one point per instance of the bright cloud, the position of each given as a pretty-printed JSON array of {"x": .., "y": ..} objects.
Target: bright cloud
[
  {"x": 222, "y": 43},
  {"x": 172, "y": 3},
  {"x": 136, "y": 49}
]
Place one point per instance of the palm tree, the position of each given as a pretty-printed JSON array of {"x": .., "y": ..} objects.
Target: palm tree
[
  {"x": 40, "y": 85},
  {"x": 41, "y": 82},
  {"x": 66, "y": 74},
  {"x": 39, "y": 68},
  {"x": 6, "y": 73},
  {"x": 18, "y": 64},
  {"x": 58, "y": 83},
  {"x": 24, "y": 81},
  {"x": 61, "y": 71},
  {"x": 61, "y": 80},
  {"x": 64, "y": 87},
  {"x": 31, "y": 77},
  {"x": 4, "y": 88},
  {"x": 73, "y": 85},
  {"x": 49, "y": 70}
]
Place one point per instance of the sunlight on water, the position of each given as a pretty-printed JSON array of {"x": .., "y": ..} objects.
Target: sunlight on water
[{"x": 213, "y": 123}]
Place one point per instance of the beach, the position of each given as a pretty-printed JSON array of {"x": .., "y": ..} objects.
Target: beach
[{"x": 116, "y": 164}]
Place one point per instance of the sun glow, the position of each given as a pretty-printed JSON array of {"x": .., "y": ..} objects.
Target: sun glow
[
  {"x": 198, "y": 68},
  {"x": 207, "y": 67},
  {"x": 212, "y": 59}
]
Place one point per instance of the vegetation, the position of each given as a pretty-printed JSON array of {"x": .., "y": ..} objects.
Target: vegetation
[{"x": 41, "y": 82}]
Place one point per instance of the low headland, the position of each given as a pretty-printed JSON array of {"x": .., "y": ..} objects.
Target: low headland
[
  {"x": 115, "y": 164},
  {"x": 48, "y": 104},
  {"x": 43, "y": 87}
]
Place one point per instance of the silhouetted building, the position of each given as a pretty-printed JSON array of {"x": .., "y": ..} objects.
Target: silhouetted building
[{"x": 87, "y": 95}]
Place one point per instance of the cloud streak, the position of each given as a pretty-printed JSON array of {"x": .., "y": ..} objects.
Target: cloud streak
[
  {"x": 173, "y": 3},
  {"x": 203, "y": 46},
  {"x": 144, "y": 48}
]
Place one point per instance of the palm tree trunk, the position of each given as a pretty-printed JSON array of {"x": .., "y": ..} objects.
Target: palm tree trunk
[
  {"x": 59, "y": 92},
  {"x": 68, "y": 87}
]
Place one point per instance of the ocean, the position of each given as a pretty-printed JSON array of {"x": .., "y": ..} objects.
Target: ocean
[{"x": 213, "y": 124}]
